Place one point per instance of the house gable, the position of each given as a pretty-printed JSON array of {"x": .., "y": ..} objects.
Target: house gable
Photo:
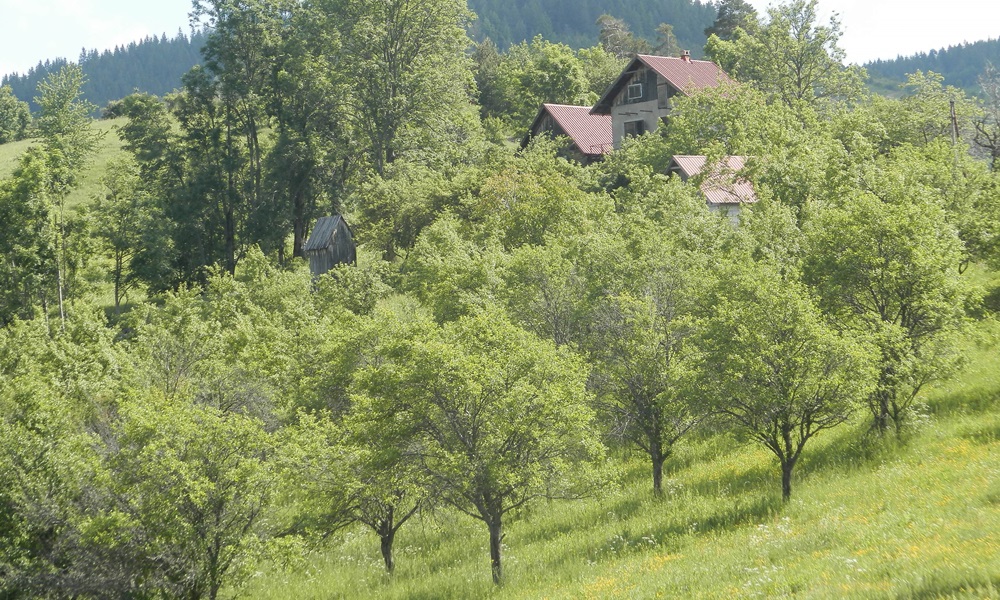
[{"x": 590, "y": 134}]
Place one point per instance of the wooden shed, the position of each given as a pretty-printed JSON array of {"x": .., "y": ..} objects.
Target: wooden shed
[{"x": 330, "y": 244}]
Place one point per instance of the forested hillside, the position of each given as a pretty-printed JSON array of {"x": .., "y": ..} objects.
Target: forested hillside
[
  {"x": 960, "y": 65},
  {"x": 574, "y": 22},
  {"x": 540, "y": 378},
  {"x": 153, "y": 65}
]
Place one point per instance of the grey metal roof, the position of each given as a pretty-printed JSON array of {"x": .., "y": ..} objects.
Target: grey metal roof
[
  {"x": 723, "y": 185},
  {"x": 684, "y": 74},
  {"x": 322, "y": 233}
]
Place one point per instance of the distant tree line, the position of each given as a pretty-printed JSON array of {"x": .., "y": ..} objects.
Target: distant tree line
[
  {"x": 573, "y": 22},
  {"x": 961, "y": 65},
  {"x": 153, "y": 65}
]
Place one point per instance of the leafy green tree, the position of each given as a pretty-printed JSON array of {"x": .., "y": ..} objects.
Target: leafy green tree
[
  {"x": 15, "y": 116},
  {"x": 64, "y": 124},
  {"x": 196, "y": 482},
  {"x": 503, "y": 418},
  {"x": 775, "y": 369},
  {"x": 642, "y": 366},
  {"x": 53, "y": 537},
  {"x": 408, "y": 71},
  {"x": 312, "y": 163},
  {"x": 733, "y": 14},
  {"x": 391, "y": 483},
  {"x": 791, "y": 58},
  {"x": 121, "y": 214},
  {"x": 927, "y": 109},
  {"x": 26, "y": 239},
  {"x": 529, "y": 74},
  {"x": 601, "y": 69},
  {"x": 885, "y": 263}
]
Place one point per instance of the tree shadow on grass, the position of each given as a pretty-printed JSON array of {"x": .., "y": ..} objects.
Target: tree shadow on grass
[
  {"x": 667, "y": 534},
  {"x": 853, "y": 449}
]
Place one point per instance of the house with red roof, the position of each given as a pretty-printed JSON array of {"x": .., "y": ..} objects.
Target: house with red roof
[
  {"x": 589, "y": 135},
  {"x": 641, "y": 96},
  {"x": 721, "y": 182}
]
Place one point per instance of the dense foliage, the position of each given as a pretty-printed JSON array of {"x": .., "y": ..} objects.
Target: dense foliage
[{"x": 517, "y": 321}]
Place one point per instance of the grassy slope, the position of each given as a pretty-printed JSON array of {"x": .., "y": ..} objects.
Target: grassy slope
[
  {"x": 886, "y": 519},
  {"x": 108, "y": 148}
]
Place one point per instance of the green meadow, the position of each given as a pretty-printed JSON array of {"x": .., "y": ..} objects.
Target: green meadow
[
  {"x": 915, "y": 516},
  {"x": 108, "y": 148}
]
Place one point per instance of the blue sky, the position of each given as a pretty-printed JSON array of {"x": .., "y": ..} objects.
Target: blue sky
[{"x": 33, "y": 30}]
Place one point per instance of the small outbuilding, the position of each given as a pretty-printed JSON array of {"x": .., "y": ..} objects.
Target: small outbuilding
[
  {"x": 331, "y": 243},
  {"x": 725, "y": 189},
  {"x": 589, "y": 135}
]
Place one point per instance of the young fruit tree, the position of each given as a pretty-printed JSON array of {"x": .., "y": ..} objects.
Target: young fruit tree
[
  {"x": 775, "y": 370},
  {"x": 503, "y": 418}
]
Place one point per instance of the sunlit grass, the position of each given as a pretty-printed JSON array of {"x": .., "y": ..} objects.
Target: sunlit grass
[
  {"x": 916, "y": 517},
  {"x": 108, "y": 148}
]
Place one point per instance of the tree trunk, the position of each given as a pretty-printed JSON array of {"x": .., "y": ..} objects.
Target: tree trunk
[
  {"x": 387, "y": 540},
  {"x": 298, "y": 234},
  {"x": 496, "y": 538},
  {"x": 657, "y": 457},
  {"x": 786, "y": 479},
  {"x": 882, "y": 416}
]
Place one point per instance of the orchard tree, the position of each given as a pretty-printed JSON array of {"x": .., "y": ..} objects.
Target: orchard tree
[
  {"x": 885, "y": 263},
  {"x": 391, "y": 482},
  {"x": 195, "y": 482},
  {"x": 774, "y": 368},
  {"x": 503, "y": 418}
]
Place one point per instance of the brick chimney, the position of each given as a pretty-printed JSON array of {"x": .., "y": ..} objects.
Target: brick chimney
[{"x": 686, "y": 56}]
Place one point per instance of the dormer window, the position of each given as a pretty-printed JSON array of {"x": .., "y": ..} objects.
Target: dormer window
[{"x": 635, "y": 90}]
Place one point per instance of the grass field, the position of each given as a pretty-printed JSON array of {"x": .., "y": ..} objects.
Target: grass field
[
  {"x": 917, "y": 517},
  {"x": 108, "y": 148}
]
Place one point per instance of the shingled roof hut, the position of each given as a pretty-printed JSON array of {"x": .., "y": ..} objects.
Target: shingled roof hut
[{"x": 330, "y": 244}]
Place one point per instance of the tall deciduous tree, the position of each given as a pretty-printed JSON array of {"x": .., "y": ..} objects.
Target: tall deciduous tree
[
  {"x": 503, "y": 418},
  {"x": 64, "y": 124},
  {"x": 791, "y": 57},
  {"x": 775, "y": 368},
  {"x": 408, "y": 71},
  {"x": 122, "y": 213},
  {"x": 885, "y": 263}
]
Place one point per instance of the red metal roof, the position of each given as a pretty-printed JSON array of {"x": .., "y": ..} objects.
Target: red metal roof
[
  {"x": 723, "y": 185},
  {"x": 590, "y": 133},
  {"x": 684, "y": 74}
]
